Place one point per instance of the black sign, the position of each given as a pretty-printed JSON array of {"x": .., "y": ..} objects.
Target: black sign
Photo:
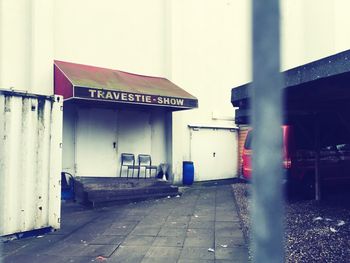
[{"x": 128, "y": 97}]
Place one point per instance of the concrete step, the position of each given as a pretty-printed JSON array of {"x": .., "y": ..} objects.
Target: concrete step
[
  {"x": 95, "y": 191},
  {"x": 128, "y": 199},
  {"x": 114, "y": 193}
]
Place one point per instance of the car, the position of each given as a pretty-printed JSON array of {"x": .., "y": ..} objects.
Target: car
[{"x": 299, "y": 163}]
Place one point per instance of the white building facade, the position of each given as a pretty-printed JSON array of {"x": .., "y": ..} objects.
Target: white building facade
[{"x": 201, "y": 46}]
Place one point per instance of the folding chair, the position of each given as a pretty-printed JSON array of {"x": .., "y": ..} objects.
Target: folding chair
[
  {"x": 145, "y": 161},
  {"x": 128, "y": 161}
]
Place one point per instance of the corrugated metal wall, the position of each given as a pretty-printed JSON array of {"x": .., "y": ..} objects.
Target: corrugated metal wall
[
  {"x": 30, "y": 162},
  {"x": 243, "y": 130}
]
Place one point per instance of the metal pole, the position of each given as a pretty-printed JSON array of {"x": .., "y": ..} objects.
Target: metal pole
[
  {"x": 317, "y": 160},
  {"x": 267, "y": 210}
]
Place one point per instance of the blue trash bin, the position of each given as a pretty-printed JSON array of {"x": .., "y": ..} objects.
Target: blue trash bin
[{"x": 188, "y": 173}]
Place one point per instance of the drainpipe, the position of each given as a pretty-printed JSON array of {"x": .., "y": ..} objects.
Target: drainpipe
[{"x": 317, "y": 159}]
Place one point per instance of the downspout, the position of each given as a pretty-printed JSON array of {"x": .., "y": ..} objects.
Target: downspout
[{"x": 317, "y": 159}]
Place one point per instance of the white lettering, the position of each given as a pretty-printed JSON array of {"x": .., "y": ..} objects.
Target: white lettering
[
  {"x": 109, "y": 95},
  {"x": 92, "y": 93},
  {"x": 100, "y": 94},
  {"x": 166, "y": 100},
  {"x": 148, "y": 99},
  {"x": 173, "y": 101},
  {"x": 137, "y": 97},
  {"x": 116, "y": 95},
  {"x": 124, "y": 96},
  {"x": 160, "y": 100},
  {"x": 180, "y": 102},
  {"x": 131, "y": 97}
]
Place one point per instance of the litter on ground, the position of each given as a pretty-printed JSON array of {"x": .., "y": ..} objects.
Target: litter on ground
[
  {"x": 341, "y": 223},
  {"x": 333, "y": 230}
]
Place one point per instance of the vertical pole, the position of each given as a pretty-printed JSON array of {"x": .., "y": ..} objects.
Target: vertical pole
[
  {"x": 317, "y": 160},
  {"x": 267, "y": 210}
]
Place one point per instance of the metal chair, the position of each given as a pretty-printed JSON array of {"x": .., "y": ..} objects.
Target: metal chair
[
  {"x": 128, "y": 161},
  {"x": 145, "y": 161}
]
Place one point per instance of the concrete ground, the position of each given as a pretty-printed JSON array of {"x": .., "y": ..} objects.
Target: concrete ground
[{"x": 200, "y": 226}]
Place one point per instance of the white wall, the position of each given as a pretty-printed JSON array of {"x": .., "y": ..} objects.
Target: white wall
[
  {"x": 210, "y": 54},
  {"x": 159, "y": 142},
  {"x": 89, "y": 147},
  {"x": 68, "y": 149},
  {"x": 26, "y": 45},
  {"x": 193, "y": 43},
  {"x": 313, "y": 29},
  {"x": 121, "y": 35},
  {"x": 125, "y": 35},
  {"x": 203, "y": 46}
]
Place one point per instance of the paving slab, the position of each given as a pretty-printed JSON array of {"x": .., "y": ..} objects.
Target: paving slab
[
  {"x": 172, "y": 232},
  {"x": 107, "y": 240},
  {"x": 48, "y": 258},
  {"x": 179, "y": 230},
  {"x": 223, "y": 224},
  {"x": 175, "y": 224},
  {"x": 196, "y": 253},
  {"x": 201, "y": 218},
  {"x": 80, "y": 250},
  {"x": 175, "y": 241},
  {"x": 119, "y": 231},
  {"x": 228, "y": 232},
  {"x": 178, "y": 218},
  {"x": 200, "y": 241},
  {"x": 138, "y": 241},
  {"x": 234, "y": 254},
  {"x": 229, "y": 241},
  {"x": 201, "y": 224},
  {"x": 162, "y": 254},
  {"x": 129, "y": 254},
  {"x": 145, "y": 231},
  {"x": 195, "y": 261},
  {"x": 200, "y": 232}
]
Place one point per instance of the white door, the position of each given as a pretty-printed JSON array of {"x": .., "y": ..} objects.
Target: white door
[
  {"x": 134, "y": 132},
  {"x": 214, "y": 153},
  {"x": 96, "y": 142}
]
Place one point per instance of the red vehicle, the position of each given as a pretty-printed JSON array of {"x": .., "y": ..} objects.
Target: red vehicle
[{"x": 299, "y": 162}]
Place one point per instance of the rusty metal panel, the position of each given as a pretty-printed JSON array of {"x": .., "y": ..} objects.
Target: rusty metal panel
[{"x": 30, "y": 161}]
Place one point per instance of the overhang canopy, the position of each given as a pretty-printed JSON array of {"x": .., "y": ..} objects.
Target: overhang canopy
[
  {"x": 316, "y": 87},
  {"x": 88, "y": 83},
  {"x": 315, "y": 94}
]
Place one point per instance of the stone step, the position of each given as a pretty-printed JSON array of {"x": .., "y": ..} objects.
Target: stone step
[
  {"x": 126, "y": 200},
  {"x": 128, "y": 193},
  {"x": 99, "y": 191},
  {"x": 129, "y": 199}
]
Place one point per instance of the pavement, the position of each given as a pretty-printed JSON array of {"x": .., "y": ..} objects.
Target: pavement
[{"x": 201, "y": 225}]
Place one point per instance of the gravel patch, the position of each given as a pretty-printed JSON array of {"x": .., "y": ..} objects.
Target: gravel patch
[{"x": 314, "y": 231}]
